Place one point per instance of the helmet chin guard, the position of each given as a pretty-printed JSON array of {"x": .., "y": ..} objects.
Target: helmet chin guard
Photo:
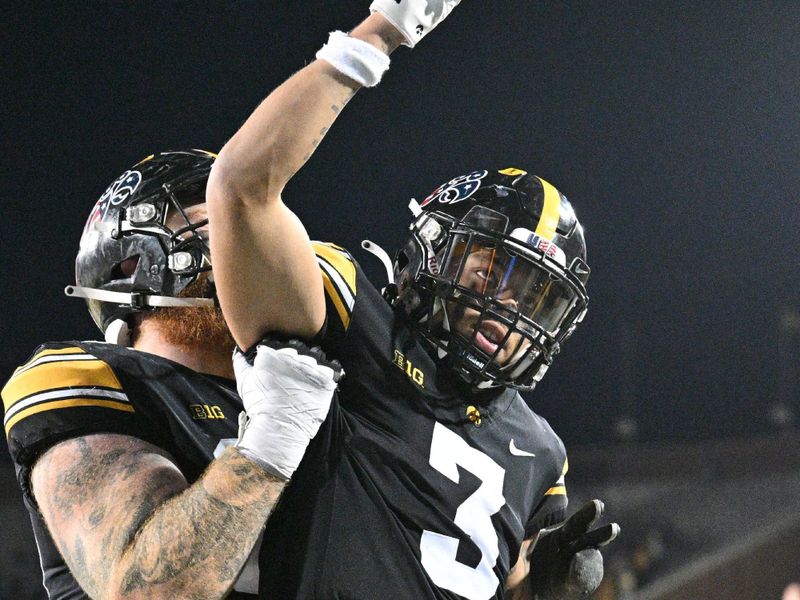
[{"x": 493, "y": 276}]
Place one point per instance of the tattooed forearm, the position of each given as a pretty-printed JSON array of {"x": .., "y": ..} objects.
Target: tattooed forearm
[
  {"x": 156, "y": 562},
  {"x": 222, "y": 529},
  {"x": 322, "y": 132},
  {"x": 337, "y": 108},
  {"x": 128, "y": 524}
]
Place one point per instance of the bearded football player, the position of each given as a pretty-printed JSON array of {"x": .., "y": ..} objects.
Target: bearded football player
[
  {"x": 120, "y": 446},
  {"x": 456, "y": 486}
]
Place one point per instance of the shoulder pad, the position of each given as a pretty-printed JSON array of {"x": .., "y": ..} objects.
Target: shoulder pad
[{"x": 58, "y": 378}]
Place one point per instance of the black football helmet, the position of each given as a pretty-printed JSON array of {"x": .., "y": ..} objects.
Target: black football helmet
[
  {"x": 130, "y": 260},
  {"x": 494, "y": 275}
]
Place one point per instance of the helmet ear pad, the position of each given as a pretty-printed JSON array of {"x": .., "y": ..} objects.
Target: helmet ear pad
[
  {"x": 414, "y": 264},
  {"x": 407, "y": 265},
  {"x": 118, "y": 332}
]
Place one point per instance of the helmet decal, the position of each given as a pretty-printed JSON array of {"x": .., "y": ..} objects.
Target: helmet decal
[
  {"x": 123, "y": 187},
  {"x": 457, "y": 189},
  {"x": 119, "y": 191},
  {"x": 547, "y": 247}
]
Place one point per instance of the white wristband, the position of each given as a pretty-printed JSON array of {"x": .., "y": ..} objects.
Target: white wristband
[{"x": 360, "y": 61}]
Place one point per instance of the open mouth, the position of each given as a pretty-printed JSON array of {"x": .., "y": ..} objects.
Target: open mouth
[{"x": 489, "y": 336}]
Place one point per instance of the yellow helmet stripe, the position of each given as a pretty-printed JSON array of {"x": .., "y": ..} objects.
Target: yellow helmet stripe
[
  {"x": 548, "y": 222},
  {"x": 513, "y": 171},
  {"x": 144, "y": 160}
]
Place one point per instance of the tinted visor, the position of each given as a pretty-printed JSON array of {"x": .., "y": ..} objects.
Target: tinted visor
[{"x": 513, "y": 280}]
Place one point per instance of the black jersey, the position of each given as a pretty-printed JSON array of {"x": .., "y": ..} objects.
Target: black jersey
[
  {"x": 414, "y": 487},
  {"x": 72, "y": 389}
]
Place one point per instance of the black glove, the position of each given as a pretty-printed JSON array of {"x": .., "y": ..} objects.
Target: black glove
[{"x": 565, "y": 562}]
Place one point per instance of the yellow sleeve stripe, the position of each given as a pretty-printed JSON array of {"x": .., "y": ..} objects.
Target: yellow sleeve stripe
[
  {"x": 558, "y": 490},
  {"x": 560, "y": 481},
  {"x": 330, "y": 289},
  {"x": 55, "y": 372},
  {"x": 65, "y": 394},
  {"x": 548, "y": 222},
  {"x": 340, "y": 262},
  {"x": 338, "y": 278},
  {"x": 123, "y": 406},
  {"x": 52, "y": 352}
]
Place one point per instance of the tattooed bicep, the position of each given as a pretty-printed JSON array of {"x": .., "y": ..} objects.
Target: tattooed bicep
[{"x": 95, "y": 492}]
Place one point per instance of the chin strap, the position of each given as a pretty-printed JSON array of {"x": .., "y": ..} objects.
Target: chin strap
[
  {"x": 135, "y": 299},
  {"x": 438, "y": 305},
  {"x": 117, "y": 331},
  {"x": 382, "y": 256},
  {"x": 389, "y": 291}
]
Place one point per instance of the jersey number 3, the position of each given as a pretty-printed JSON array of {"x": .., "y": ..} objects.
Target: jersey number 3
[{"x": 438, "y": 552}]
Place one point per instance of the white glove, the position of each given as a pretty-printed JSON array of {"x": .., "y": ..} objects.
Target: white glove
[
  {"x": 286, "y": 393},
  {"x": 414, "y": 18}
]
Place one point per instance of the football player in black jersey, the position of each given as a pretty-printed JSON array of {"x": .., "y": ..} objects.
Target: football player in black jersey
[
  {"x": 428, "y": 448},
  {"x": 122, "y": 452}
]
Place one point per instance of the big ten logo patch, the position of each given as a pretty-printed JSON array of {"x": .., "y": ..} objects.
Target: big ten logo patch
[
  {"x": 401, "y": 362},
  {"x": 206, "y": 411}
]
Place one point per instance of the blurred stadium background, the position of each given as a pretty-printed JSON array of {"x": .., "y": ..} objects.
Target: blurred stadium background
[{"x": 673, "y": 128}]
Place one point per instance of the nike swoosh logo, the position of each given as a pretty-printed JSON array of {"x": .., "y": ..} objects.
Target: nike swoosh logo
[{"x": 516, "y": 451}]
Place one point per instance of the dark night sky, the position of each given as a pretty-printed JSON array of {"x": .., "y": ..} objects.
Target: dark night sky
[{"x": 673, "y": 127}]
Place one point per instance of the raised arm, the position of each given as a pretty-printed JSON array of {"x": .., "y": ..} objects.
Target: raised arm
[{"x": 266, "y": 273}]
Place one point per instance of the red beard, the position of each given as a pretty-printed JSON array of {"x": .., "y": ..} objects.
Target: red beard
[{"x": 194, "y": 326}]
